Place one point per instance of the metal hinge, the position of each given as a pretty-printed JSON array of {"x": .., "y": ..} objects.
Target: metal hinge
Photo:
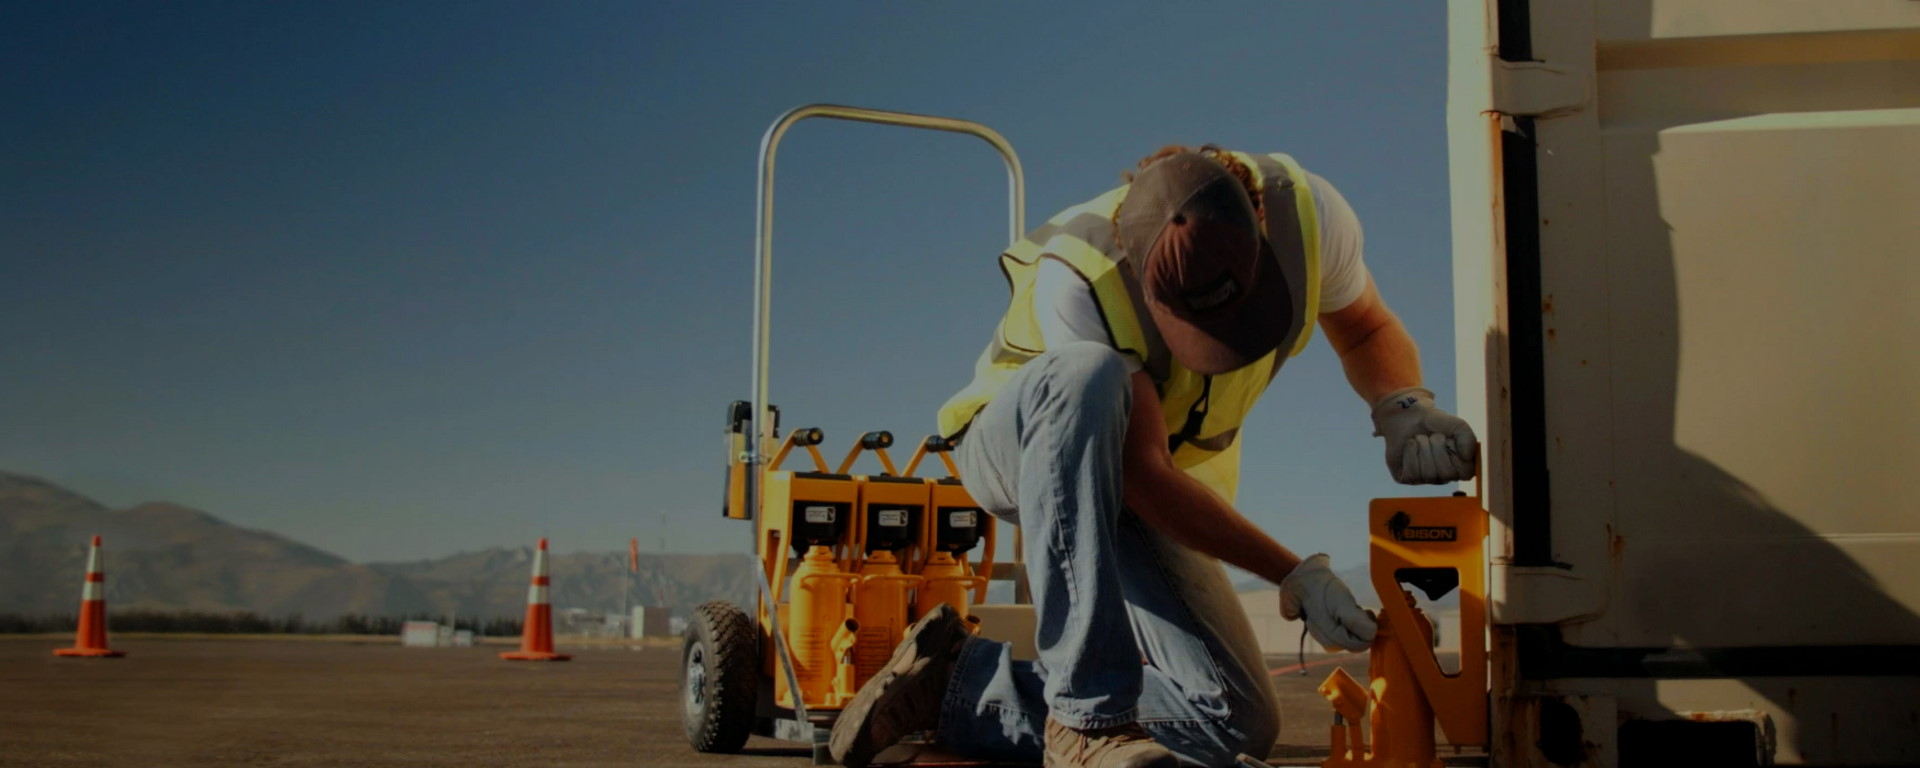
[{"x": 1537, "y": 90}]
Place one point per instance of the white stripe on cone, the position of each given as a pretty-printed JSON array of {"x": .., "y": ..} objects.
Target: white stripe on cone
[
  {"x": 537, "y": 592},
  {"x": 90, "y": 589}
]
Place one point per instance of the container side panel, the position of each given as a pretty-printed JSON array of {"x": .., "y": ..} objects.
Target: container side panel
[
  {"x": 1634, "y": 20},
  {"x": 1762, "y": 281},
  {"x": 1648, "y": 100}
]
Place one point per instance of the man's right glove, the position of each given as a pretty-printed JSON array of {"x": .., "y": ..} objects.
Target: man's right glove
[
  {"x": 1332, "y": 615},
  {"x": 1425, "y": 445}
]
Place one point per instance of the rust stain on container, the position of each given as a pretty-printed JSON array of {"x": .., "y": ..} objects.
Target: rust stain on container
[
  {"x": 1546, "y": 305},
  {"x": 1552, "y": 335},
  {"x": 1835, "y": 734}
]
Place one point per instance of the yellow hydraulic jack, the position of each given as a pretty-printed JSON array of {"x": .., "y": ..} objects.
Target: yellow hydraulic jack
[
  {"x": 860, "y": 546},
  {"x": 820, "y": 629},
  {"x": 1435, "y": 545},
  {"x": 887, "y": 522},
  {"x": 958, "y": 525}
]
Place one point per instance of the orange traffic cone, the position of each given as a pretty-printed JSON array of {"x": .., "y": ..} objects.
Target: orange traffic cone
[
  {"x": 91, "y": 639},
  {"x": 536, "y": 637}
]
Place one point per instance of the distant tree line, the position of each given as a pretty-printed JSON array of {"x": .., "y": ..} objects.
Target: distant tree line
[{"x": 245, "y": 623}]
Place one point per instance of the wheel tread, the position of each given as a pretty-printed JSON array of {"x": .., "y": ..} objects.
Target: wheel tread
[{"x": 732, "y": 661}]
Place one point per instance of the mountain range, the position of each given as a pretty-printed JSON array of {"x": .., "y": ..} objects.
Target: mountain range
[{"x": 164, "y": 556}]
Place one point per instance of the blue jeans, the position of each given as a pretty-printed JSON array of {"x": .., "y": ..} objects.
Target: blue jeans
[{"x": 1131, "y": 627}]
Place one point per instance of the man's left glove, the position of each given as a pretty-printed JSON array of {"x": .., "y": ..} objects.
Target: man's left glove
[
  {"x": 1425, "y": 445},
  {"x": 1332, "y": 616}
]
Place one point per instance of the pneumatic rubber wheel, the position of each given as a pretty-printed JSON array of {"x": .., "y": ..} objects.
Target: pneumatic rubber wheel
[{"x": 720, "y": 677}]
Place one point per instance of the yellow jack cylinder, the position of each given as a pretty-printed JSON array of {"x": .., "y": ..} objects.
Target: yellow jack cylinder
[
  {"x": 1350, "y": 700},
  {"x": 947, "y": 581},
  {"x": 819, "y": 608},
  {"x": 1397, "y": 713},
  {"x": 880, "y": 607},
  {"x": 1401, "y": 720},
  {"x": 844, "y": 684}
]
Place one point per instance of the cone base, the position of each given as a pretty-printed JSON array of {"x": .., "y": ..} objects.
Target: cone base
[
  {"x": 90, "y": 653},
  {"x": 535, "y": 656}
]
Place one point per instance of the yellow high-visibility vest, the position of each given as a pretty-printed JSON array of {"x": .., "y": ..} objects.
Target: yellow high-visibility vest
[{"x": 1202, "y": 413}]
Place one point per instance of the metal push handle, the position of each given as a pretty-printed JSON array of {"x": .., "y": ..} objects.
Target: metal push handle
[
  {"x": 763, "y": 298},
  {"x": 763, "y": 234}
]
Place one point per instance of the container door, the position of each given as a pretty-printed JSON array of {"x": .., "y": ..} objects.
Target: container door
[{"x": 1687, "y": 266}]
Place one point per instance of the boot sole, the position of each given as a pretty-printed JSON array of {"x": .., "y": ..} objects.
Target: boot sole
[{"x": 853, "y": 743}]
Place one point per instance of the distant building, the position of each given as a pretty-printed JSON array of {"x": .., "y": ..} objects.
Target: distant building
[
  {"x": 428, "y": 634},
  {"x": 420, "y": 634},
  {"x": 581, "y": 622},
  {"x": 652, "y": 621}
]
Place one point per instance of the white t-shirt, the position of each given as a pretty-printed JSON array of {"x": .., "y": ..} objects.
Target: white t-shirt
[{"x": 1065, "y": 309}]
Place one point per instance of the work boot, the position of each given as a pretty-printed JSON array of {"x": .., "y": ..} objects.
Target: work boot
[
  {"x": 905, "y": 696},
  {"x": 1122, "y": 746}
]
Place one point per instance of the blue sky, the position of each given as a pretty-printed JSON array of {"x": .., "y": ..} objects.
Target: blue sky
[{"x": 406, "y": 279}]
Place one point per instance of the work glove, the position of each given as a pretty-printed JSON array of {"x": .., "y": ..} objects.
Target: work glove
[
  {"x": 1332, "y": 616},
  {"x": 1425, "y": 445}
]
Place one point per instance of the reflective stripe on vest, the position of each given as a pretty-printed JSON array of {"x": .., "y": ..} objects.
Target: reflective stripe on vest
[{"x": 1202, "y": 414}]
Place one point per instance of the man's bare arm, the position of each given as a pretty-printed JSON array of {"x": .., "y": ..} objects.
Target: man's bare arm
[
  {"x": 1375, "y": 349},
  {"x": 1173, "y": 503},
  {"x": 1424, "y": 444}
]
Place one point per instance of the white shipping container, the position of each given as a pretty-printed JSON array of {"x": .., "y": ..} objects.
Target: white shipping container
[{"x": 1686, "y": 272}]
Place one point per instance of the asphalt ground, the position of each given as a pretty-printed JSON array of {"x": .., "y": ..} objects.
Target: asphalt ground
[{"x": 213, "y": 703}]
